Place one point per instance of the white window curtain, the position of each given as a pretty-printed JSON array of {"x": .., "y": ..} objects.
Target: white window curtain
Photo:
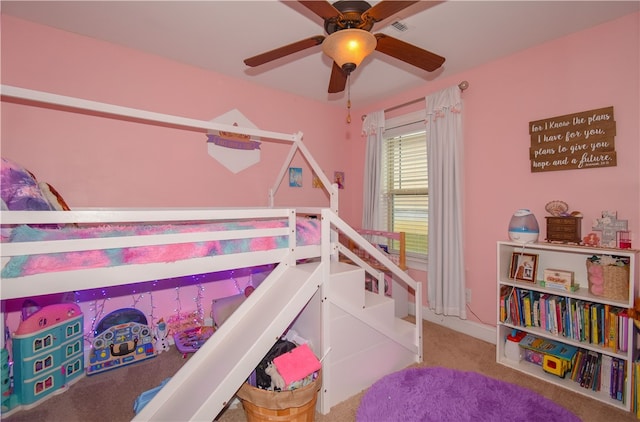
[
  {"x": 446, "y": 278},
  {"x": 373, "y": 128}
]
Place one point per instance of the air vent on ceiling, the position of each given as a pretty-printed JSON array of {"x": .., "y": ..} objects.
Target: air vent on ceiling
[{"x": 400, "y": 26}]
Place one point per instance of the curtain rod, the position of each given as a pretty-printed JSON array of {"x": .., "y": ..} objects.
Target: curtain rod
[{"x": 462, "y": 85}]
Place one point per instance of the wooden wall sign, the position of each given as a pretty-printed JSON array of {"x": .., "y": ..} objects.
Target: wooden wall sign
[{"x": 573, "y": 141}]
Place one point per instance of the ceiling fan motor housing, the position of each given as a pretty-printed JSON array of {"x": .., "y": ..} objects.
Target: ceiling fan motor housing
[{"x": 352, "y": 16}]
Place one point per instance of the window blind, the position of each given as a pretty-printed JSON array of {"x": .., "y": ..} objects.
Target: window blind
[{"x": 405, "y": 188}]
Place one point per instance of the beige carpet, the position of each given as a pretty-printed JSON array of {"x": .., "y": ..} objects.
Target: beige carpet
[{"x": 109, "y": 396}]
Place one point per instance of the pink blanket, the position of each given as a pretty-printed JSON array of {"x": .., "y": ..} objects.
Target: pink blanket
[{"x": 307, "y": 233}]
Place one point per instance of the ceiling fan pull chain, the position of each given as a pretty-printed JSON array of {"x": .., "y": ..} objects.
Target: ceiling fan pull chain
[{"x": 349, "y": 98}]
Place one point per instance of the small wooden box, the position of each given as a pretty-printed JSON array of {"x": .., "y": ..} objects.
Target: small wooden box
[
  {"x": 564, "y": 229},
  {"x": 558, "y": 279}
]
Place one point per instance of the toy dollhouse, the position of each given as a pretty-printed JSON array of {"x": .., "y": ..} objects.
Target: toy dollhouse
[{"x": 48, "y": 355}]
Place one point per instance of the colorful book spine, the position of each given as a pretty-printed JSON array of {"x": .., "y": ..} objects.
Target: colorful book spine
[
  {"x": 605, "y": 375},
  {"x": 594, "y": 324},
  {"x": 527, "y": 311},
  {"x": 621, "y": 381}
]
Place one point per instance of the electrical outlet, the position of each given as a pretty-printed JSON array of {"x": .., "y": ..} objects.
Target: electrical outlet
[{"x": 468, "y": 295}]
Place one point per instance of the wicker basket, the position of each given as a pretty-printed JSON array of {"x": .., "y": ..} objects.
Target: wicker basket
[
  {"x": 279, "y": 406},
  {"x": 615, "y": 281}
]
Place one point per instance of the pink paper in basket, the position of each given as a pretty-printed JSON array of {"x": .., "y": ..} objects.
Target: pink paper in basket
[{"x": 297, "y": 364}]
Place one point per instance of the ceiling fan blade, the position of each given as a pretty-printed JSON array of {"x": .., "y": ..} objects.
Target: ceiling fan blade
[
  {"x": 283, "y": 51},
  {"x": 388, "y": 8},
  {"x": 408, "y": 53},
  {"x": 338, "y": 80},
  {"x": 324, "y": 9}
]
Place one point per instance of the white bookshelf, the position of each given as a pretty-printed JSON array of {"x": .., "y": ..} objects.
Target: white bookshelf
[{"x": 568, "y": 258}]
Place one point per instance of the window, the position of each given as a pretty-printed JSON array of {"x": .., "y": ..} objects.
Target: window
[
  {"x": 73, "y": 329},
  {"x": 405, "y": 190}
]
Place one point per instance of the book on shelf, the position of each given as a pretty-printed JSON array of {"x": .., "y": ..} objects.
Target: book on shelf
[
  {"x": 621, "y": 380},
  {"x": 582, "y": 369},
  {"x": 595, "y": 382},
  {"x": 527, "y": 311},
  {"x": 623, "y": 330},
  {"x": 605, "y": 374},
  {"x": 613, "y": 329},
  {"x": 618, "y": 378},
  {"x": 591, "y": 365},
  {"x": 576, "y": 363},
  {"x": 586, "y": 320},
  {"x": 594, "y": 324},
  {"x": 636, "y": 386},
  {"x": 504, "y": 293}
]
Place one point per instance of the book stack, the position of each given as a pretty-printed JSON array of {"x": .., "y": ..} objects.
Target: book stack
[
  {"x": 595, "y": 323},
  {"x": 600, "y": 372}
]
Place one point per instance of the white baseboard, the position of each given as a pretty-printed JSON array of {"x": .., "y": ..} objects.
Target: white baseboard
[{"x": 471, "y": 328}]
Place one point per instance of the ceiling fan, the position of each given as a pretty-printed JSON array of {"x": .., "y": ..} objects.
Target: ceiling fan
[{"x": 348, "y": 25}]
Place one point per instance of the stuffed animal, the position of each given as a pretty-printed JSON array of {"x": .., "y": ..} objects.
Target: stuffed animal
[
  {"x": 162, "y": 332},
  {"x": 277, "y": 382}
]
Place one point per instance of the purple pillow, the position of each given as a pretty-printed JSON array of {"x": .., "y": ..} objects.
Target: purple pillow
[{"x": 19, "y": 188}]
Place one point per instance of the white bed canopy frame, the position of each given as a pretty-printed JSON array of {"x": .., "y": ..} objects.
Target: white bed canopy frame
[{"x": 325, "y": 299}]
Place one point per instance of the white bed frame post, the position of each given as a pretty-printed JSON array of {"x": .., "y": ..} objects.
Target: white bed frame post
[{"x": 326, "y": 254}]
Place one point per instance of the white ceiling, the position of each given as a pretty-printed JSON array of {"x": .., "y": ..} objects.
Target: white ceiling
[{"x": 218, "y": 35}]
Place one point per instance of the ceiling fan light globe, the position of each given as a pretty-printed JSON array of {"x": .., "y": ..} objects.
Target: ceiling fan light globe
[{"x": 349, "y": 46}]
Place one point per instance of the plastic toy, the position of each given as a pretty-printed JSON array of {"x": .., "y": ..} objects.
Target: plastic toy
[
  {"x": 122, "y": 338},
  {"x": 189, "y": 341},
  {"x": 144, "y": 398},
  {"x": 48, "y": 354},
  {"x": 161, "y": 341},
  {"x": 554, "y": 357},
  {"x": 555, "y": 365}
]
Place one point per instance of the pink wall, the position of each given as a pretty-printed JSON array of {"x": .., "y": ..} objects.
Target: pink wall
[
  {"x": 96, "y": 162},
  {"x": 100, "y": 162},
  {"x": 591, "y": 69}
]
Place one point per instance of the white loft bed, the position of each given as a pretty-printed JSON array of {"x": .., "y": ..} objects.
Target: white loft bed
[{"x": 306, "y": 294}]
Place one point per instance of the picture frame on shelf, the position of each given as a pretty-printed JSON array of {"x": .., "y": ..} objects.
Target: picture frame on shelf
[{"x": 524, "y": 267}]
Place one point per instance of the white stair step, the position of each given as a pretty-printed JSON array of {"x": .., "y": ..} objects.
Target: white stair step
[
  {"x": 360, "y": 355},
  {"x": 348, "y": 281},
  {"x": 380, "y": 307}
]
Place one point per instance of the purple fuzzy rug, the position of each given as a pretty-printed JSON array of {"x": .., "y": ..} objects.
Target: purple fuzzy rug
[{"x": 442, "y": 394}]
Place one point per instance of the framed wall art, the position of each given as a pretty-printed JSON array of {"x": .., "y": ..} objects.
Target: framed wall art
[
  {"x": 295, "y": 177},
  {"x": 524, "y": 267},
  {"x": 338, "y": 178},
  {"x": 316, "y": 182}
]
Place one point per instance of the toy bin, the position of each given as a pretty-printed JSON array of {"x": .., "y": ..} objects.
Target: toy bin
[
  {"x": 609, "y": 281},
  {"x": 297, "y": 405}
]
